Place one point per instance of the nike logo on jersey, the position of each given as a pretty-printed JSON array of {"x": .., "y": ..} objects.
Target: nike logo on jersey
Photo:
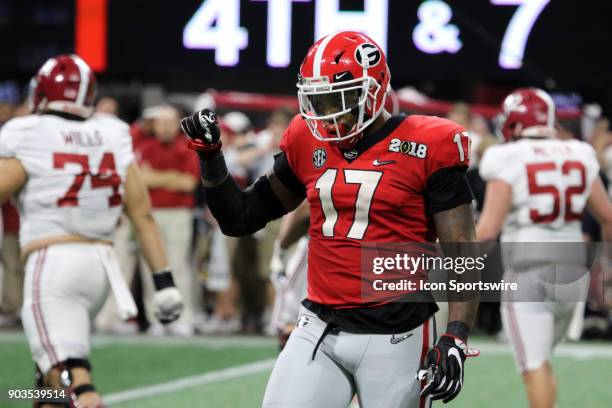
[
  {"x": 383, "y": 162},
  {"x": 395, "y": 340}
]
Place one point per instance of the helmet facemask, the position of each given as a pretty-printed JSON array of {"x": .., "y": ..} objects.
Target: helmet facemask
[{"x": 323, "y": 105}]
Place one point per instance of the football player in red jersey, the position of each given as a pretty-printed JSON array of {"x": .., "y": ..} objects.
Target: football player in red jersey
[{"x": 368, "y": 177}]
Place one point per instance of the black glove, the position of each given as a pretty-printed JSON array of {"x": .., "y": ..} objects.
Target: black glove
[
  {"x": 167, "y": 301},
  {"x": 202, "y": 130},
  {"x": 445, "y": 362}
]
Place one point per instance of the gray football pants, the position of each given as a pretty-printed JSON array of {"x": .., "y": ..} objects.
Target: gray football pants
[{"x": 381, "y": 371}]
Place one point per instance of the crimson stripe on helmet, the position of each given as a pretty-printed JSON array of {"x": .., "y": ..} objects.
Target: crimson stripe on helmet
[
  {"x": 316, "y": 65},
  {"x": 84, "y": 83}
]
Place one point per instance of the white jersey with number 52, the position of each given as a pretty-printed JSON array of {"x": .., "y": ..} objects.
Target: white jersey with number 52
[
  {"x": 76, "y": 170},
  {"x": 551, "y": 181}
]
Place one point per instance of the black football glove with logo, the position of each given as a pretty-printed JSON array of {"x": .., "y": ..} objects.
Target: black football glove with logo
[
  {"x": 202, "y": 130},
  {"x": 444, "y": 363}
]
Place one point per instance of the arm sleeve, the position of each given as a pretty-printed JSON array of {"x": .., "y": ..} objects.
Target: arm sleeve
[
  {"x": 447, "y": 184},
  {"x": 239, "y": 212},
  {"x": 245, "y": 212}
]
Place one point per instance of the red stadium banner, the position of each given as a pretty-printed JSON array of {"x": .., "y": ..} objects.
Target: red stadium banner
[{"x": 267, "y": 103}]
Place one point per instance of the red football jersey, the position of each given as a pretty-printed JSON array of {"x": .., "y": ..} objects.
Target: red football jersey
[{"x": 374, "y": 193}]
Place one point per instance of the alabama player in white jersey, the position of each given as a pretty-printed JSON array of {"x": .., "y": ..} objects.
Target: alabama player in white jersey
[
  {"x": 72, "y": 174},
  {"x": 288, "y": 271},
  {"x": 537, "y": 189}
]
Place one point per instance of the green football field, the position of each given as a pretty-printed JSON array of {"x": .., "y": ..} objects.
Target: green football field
[{"x": 224, "y": 372}]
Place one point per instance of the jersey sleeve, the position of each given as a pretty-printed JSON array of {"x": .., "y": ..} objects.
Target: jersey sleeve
[
  {"x": 286, "y": 166},
  {"x": 10, "y": 135},
  {"x": 125, "y": 148},
  {"x": 288, "y": 144},
  {"x": 445, "y": 170},
  {"x": 448, "y": 147},
  {"x": 497, "y": 163}
]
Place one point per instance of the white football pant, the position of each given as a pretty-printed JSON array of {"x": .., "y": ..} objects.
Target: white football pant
[
  {"x": 65, "y": 286},
  {"x": 380, "y": 372}
]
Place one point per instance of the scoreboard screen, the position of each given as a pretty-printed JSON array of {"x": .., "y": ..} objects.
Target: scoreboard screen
[{"x": 259, "y": 44}]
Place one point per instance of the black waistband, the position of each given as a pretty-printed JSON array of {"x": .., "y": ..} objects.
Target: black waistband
[{"x": 390, "y": 318}]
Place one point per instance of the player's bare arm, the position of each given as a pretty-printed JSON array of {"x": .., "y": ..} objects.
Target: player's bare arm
[
  {"x": 446, "y": 359},
  {"x": 498, "y": 200},
  {"x": 168, "y": 303},
  {"x": 138, "y": 210},
  {"x": 294, "y": 225},
  {"x": 238, "y": 212},
  {"x": 13, "y": 178},
  {"x": 457, "y": 225}
]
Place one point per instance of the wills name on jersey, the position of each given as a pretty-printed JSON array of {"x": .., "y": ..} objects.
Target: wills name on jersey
[
  {"x": 76, "y": 171},
  {"x": 551, "y": 181},
  {"x": 374, "y": 193}
]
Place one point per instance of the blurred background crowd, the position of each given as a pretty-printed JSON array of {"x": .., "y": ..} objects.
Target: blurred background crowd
[{"x": 226, "y": 281}]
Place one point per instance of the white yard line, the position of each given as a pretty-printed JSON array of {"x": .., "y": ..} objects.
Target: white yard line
[
  {"x": 581, "y": 351},
  {"x": 212, "y": 342},
  {"x": 188, "y": 382}
]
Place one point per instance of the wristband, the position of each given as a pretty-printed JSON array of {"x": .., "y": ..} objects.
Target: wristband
[
  {"x": 458, "y": 329},
  {"x": 202, "y": 147},
  {"x": 163, "y": 279},
  {"x": 213, "y": 169}
]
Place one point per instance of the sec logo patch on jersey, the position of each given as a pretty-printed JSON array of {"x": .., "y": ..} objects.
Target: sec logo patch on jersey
[{"x": 319, "y": 157}]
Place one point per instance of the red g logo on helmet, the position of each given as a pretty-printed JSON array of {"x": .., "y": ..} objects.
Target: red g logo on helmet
[
  {"x": 343, "y": 73},
  {"x": 63, "y": 84}
]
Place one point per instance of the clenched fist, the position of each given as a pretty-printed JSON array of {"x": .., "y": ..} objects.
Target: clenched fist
[{"x": 202, "y": 130}]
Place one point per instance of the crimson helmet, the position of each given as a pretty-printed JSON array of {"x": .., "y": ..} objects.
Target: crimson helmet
[
  {"x": 64, "y": 84},
  {"x": 342, "y": 73},
  {"x": 530, "y": 108}
]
